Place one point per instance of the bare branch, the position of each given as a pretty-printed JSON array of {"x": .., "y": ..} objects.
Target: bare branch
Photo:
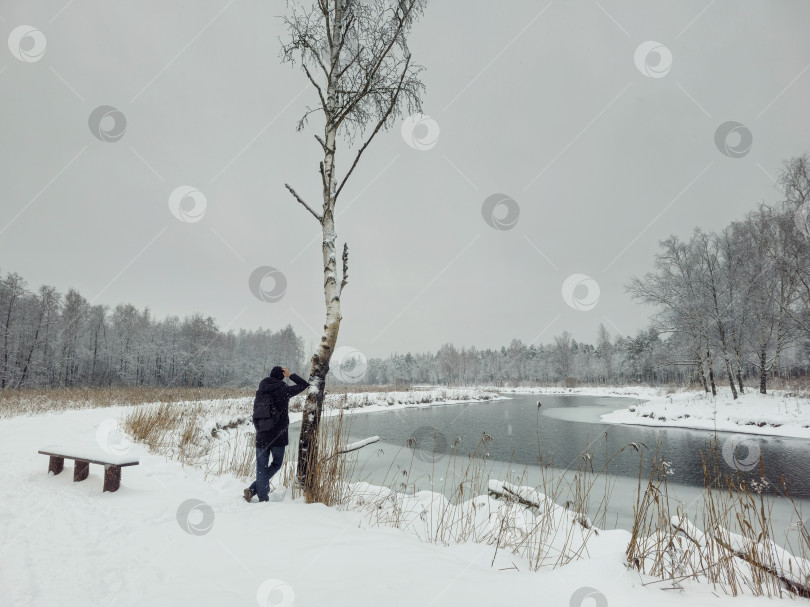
[
  {"x": 303, "y": 122},
  {"x": 299, "y": 199},
  {"x": 315, "y": 84},
  {"x": 380, "y": 124}
]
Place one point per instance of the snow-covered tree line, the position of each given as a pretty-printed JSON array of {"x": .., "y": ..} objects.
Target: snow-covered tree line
[
  {"x": 731, "y": 308},
  {"x": 648, "y": 358},
  {"x": 736, "y": 303},
  {"x": 48, "y": 339}
]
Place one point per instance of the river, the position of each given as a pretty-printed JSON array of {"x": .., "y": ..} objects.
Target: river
[{"x": 545, "y": 446}]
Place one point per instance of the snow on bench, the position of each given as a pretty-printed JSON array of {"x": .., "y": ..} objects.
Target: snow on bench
[{"x": 83, "y": 457}]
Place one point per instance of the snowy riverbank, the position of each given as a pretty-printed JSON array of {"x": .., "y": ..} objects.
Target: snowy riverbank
[
  {"x": 778, "y": 413},
  {"x": 171, "y": 537},
  {"x": 643, "y": 392}
]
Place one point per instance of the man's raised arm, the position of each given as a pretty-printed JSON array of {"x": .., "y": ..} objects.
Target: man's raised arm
[{"x": 300, "y": 384}]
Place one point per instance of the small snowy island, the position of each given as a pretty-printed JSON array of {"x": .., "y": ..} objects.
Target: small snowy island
[{"x": 778, "y": 413}]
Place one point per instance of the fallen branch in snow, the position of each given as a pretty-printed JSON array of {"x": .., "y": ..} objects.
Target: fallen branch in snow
[
  {"x": 499, "y": 489},
  {"x": 698, "y": 538},
  {"x": 355, "y": 446},
  {"x": 783, "y": 576},
  {"x": 360, "y": 444}
]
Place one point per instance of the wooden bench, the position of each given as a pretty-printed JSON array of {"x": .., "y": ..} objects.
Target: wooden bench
[{"x": 112, "y": 465}]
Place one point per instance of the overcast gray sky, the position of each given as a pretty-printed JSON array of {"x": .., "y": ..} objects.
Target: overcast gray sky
[{"x": 606, "y": 146}]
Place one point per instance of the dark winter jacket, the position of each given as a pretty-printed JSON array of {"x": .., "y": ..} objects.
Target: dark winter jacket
[{"x": 271, "y": 410}]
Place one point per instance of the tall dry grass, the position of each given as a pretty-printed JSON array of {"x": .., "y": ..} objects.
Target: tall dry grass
[
  {"x": 549, "y": 524},
  {"x": 187, "y": 435},
  {"x": 728, "y": 542},
  {"x": 37, "y": 401},
  {"x": 332, "y": 468}
]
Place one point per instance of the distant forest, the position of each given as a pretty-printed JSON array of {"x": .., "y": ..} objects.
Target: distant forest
[{"x": 52, "y": 340}]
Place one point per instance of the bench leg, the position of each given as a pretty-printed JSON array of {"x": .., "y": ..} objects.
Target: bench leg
[
  {"x": 80, "y": 470},
  {"x": 56, "y": 464},
  {"x": 112, "y": 478}
]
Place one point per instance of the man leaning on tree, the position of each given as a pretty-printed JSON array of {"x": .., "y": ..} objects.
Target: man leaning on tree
[{"x": 271, "y": 419}]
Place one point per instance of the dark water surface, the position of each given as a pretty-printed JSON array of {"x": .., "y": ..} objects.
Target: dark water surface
[{"x": 516, "y": 426}]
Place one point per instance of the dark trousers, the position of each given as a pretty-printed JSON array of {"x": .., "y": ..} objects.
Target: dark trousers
[{"x": 264, "y": 472}]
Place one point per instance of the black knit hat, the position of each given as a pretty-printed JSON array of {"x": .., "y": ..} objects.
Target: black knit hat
[{"x": 277, "y": 373}]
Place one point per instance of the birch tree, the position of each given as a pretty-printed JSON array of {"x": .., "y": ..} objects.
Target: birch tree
[
  {"x": 713, "y": 272},
  {"x": 355, "y": 55}
]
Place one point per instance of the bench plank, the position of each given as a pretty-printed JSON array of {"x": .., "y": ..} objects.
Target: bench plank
[{"x": 112, "y": 461}]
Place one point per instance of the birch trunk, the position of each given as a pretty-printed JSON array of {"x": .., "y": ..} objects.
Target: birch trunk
[{"x": 319, "y": 367}]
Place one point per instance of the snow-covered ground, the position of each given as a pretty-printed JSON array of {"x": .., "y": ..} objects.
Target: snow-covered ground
[
  {"x": 171, "y": 537},
  {"x": 66, "y": 543},
  {"x": 778, "y": 413}
]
